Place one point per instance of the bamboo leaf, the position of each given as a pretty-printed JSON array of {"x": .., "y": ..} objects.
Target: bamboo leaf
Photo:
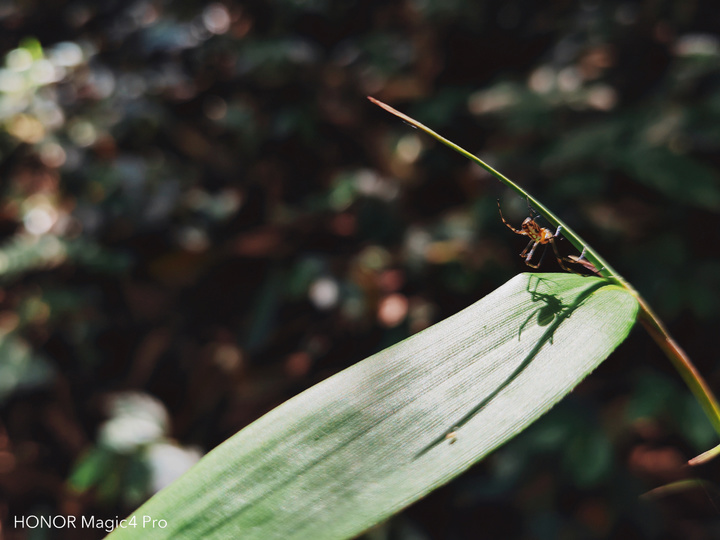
[
  {"x": 647, "y": 317},
  {"x": 361, "y": 445}
]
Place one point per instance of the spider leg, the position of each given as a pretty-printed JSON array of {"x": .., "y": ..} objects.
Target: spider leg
[
  {"x": 560, "y": 259},
  {"x": 530, "y": 255},
  {"x": 581, "y": 260},
  {"x": 524, "y": 324},
  {"x": 524, "y": 251},
  {"x": 544, "y": 252},
  {"x": 590, "y": 267},
  {"x": 533, "y": 293},
  {"x": 513, "y": 229},
  {"x": 574, "y": 260},
  {"x": 531, "y": 210}
]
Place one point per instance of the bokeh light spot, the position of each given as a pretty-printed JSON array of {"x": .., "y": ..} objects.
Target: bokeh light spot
[
  {"x": 83, "y": 133},
  {"x": 19, "y": 60},
  {"x": 52, "y": 155},
  {"x": 392, "y": 310},
  {"x": 215, "y": 108},
  {"x": 26, "y": 128},
  {"x": 216, "y": 18},
  {"x": 409, "y": 148},
  {"x": 66, "y": 54},
  {"x": 39, "y": 220},
  {"x": 324, "y": 293}
]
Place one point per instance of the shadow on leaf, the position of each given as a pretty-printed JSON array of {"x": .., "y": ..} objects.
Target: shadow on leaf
[{"x": 552, "y": 314}]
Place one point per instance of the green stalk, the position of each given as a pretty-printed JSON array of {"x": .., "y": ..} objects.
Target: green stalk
[{"x": 647, "y": 317}]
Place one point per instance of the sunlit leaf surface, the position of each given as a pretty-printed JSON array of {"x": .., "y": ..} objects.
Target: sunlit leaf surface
[{"x": 361, "y": 445}]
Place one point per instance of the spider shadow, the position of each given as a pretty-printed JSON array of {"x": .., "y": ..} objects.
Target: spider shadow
[
  {"x": 552, "y": 315},
  {"x": 546, "y": 313}
]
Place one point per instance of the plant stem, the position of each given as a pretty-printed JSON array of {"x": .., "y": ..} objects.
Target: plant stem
[
  {"x": 647, "y": 317},
  {"x": 705, "y": 456},
  {"x": 680, "y": 360}
]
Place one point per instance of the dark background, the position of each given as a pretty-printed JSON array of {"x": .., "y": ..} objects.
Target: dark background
[{"x": 202, "y": 216}]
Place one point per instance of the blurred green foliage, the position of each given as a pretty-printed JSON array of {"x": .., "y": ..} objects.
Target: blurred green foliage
[{"x": 198, "y": 204}]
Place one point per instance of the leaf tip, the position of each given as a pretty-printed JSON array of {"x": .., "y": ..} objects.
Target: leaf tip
[{"x": 397, "y": 113}]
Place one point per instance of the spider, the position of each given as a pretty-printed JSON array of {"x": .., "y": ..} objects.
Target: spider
[
  {"x": 538, "y": 236},
  {"x": 542, "y": 236}
]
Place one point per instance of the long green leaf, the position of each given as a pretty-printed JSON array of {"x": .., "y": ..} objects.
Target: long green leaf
[
  {"x": 363, "y": 444},
  {"x": 648, "y": 318}
]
